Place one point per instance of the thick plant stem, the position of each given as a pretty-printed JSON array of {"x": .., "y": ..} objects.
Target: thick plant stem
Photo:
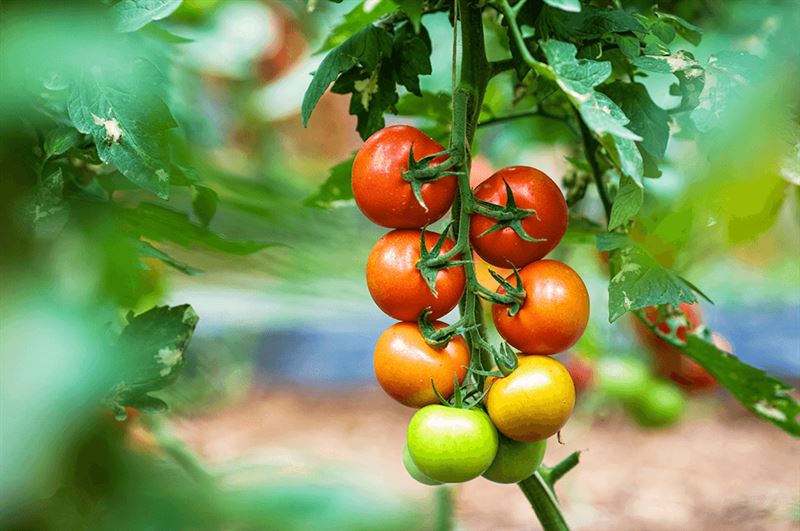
[
  {"x": 444, "y": 508},
  {"x": 544, "y": 503}
]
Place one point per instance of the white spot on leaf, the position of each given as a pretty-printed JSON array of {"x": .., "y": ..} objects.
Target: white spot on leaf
[
  {"x": 168, "y": 357},
  {"x": 113, "y": 130},
  {"x": 769, "y": 411}
]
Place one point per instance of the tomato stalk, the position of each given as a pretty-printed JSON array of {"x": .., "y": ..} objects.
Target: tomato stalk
[{"x": 476, "y": 72}]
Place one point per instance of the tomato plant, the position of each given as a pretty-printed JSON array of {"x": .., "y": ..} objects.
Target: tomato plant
[
  {"x": 451, "y": 444},
  {"x": 408, "y": 369},
  {"x": 555, "y": 311}
]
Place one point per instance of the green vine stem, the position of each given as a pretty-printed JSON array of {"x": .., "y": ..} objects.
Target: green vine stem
[
  {"x": 444, "y": 508},
  {"x": 476, "y": 72}
]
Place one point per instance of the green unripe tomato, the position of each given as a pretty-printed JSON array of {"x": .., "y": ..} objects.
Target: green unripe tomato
[
  {"x": 515, "y": 460},
  {"x": 622, "y": 378},
  {"x": 414, "y": 471},
  {"x": 451, "y": 445},
  {"x": 661, "y": 404}
]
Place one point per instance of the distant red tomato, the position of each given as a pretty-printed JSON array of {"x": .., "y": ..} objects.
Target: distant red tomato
[
  {"x": 669, "y": 360},
  {"x": 582, "y": 371}
]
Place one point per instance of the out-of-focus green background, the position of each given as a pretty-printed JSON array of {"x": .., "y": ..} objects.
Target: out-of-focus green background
[{"x": 275, "y": 421}]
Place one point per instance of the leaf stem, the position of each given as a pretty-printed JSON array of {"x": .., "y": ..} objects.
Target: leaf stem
[{"x": 589, "y": 147}]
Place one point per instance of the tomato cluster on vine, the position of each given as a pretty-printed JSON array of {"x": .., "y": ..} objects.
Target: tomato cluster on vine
[{"x": 473, "y": 420}]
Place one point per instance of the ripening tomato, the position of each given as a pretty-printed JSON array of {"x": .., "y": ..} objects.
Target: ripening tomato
[
  {"x": 581, "y": 369},
  {"x": 534, "y": 401},
  {"x": 669, "y": 360},
  {"x": 396, "y": 284},
  {"x": 450, "y": 444},
  {"x": 378, "y": 185},
  {"x": 515, "y": 460},
  {"x": 414, "y": 471},
  {"x": 534, "y": 190},
  {"x": 555, "y": 312},
  {"x": 405, "y": 364}
]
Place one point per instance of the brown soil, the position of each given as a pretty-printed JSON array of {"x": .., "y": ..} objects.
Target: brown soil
[{"x": 721, "y": 469}]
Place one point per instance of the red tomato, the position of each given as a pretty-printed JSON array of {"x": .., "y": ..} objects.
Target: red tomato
[
  {"x": 397, "y": 286},
  {"x": 555, "y": 312},
  {"x": 669, "y": 360},
  {"x": 534, "y": 190},
  {"x": 378, "y": 186},
  {"x": 405, "y": 364},
  {"x": 581, "y": 369},
  {"x": 480, "y": 171}
]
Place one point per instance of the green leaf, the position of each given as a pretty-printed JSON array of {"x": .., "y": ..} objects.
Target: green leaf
[
  {"x": 204, "y": 203},
  {"x": 433, "y": 107},
  {"x": 150, "y": 350},
  {"x": 765, "y": 396},
  {"x": 60, "y": 139},
  {"x": 147, "y": 250},
  {"x": 666, "y": 64},
  {"x": 640, "y": 281},
  {"x": 46, "y": 213},
  {"x": 647, "y": 119},
  {"x": 120, "y": 107},
  {"x": 161, "y": 224},
  {"x": 581, "y": 231},
  {"x": 590, "y": 23},
  {"x": 627, "y": 203},
  {"x": 367, "y": 49},
  {"x": 413, "y": 10},
  {"x": 130, "y": 15},
  {"x": 665, "y": 32},
  {"x": 411, "y": 56},
  {"x": 685, "y": 29},
  {"x": 572, "y": 6},
  {"x": 373, "y": 94},
  {"x": 727, "y": 74},
  {"x": 363, "y": 14},
  {"x": 336, "y": 190}
]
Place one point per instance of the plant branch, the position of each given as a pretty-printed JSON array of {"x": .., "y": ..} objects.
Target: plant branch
[
  {"x": 589, "y": 148},
  {"x": 544, "y": 503},
  {"x": 524, "y": 114}
]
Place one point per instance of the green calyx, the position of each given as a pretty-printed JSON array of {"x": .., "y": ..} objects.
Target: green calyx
[
  {"x": 507, "y": 216},
  {"x": 440, "y": 338},
  {"x": 464, "y": 397},
  {"x": 422, "y": 171},
  {"x": 431, "y": 261},
  {"x": 514, "y": 296}
]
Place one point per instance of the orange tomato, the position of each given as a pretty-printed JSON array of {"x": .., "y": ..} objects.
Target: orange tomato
[
  {"x": 397, "y": 286},
  {"x": 406, "y": 366},
  {"x": 555, "y": 312}
]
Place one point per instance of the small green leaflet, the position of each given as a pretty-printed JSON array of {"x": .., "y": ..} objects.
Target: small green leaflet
[
  {"x": 627, "y": 203},
  {"x": 147, "y": 250},
  {"x": 161, "y": 224},
  {"x": 573, "y": 6},
  {"x": 640, "y": 281},
  {"x": 59, "y": 140},
  {"x": 413, "y": 10},
  {"x": 765, "y": 396},
  {"x": 577, "y": 79},
  {"x": 590, "y": 23},
  {"x": 647, "y": 119},
  {"x": 46, "y": 212},
  {"x": 121, "y": 109},
  {"x": 363, "y": 14},
  {"x": 685, "y": 29},
  {"x": 130, "y": 15},
  {"x": 727, "y": 74},
  {"x": 366, "y": 49},
  {"x": 150, "y": 350},
  {"x": 336, "y": 190}
]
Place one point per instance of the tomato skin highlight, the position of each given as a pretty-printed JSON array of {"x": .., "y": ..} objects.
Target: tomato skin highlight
[
  {"x": 533, "y": 402},
  {"x": 397, "y": 286},
  {"x": 405, "y": 364},
  {"x": 532, "y": 189},
  {"x": 515, "y": 461},
  {"x": 555, "y": 312},
  {"x": 378, "y": 186},
  {"x": 452, "y": 445},
  {"x": 414, "y": 471}
]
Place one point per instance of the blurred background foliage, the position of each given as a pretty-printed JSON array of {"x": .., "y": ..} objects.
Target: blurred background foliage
[{"x": 211, "y": 199}]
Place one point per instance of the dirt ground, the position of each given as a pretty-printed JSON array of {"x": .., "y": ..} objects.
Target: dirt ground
[{"x": 721, "y": 469}]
